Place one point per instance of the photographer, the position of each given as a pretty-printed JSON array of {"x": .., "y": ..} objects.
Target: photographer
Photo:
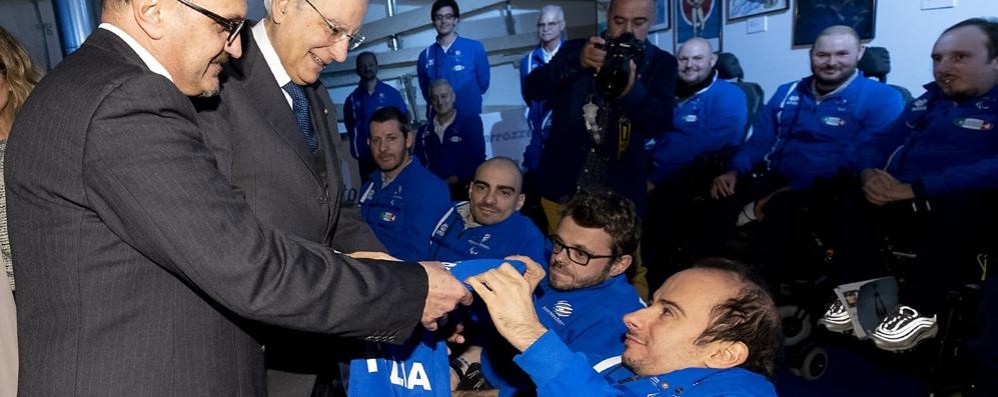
[{"x": 626, "y": 104}]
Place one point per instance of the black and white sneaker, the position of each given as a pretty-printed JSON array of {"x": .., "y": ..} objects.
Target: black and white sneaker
[
  {"x": 836, "y": 318},
  {"x": 903, "y": 329}
]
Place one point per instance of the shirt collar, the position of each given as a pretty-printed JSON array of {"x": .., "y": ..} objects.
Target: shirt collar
[
  {"x": 270, "y": 55},
  {"x": 151, "y": 62}
]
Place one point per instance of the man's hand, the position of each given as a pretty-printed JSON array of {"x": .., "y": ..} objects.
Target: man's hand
[
  {"x": 881, "y": 188},
  {"x": 630, "y": 80},
  {"x": 372, "y": 255},
  {"x": 724, "y": 185},
  {"x": 509, "y": 297},
  {"x": 592, "y": 57},
  {"x": 760, "y": 205},
  {"x": 443, "y": 294}
]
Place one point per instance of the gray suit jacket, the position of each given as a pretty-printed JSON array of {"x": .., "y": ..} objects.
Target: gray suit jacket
[
  {"x": 138, "y": 259},
  {"x": 259, "y": 143}
]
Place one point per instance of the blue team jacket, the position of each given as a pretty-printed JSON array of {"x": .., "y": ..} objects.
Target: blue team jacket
[
  {"x": 465, "y": 66},
  {"x": 567, "y": 87},
  {"x": 403, "y": 213},
  {"x": 538, "y": 113},
  {"x": 802, "y": 138},
  {"x": 461, "y": 151},
  {"x": 587, "y": 320},
  {"x": 559, "y": 372},
  {"x": 712, "y": 119},
  {"x": 357, "y": 111},
  {"x": 453, "y": 241}
]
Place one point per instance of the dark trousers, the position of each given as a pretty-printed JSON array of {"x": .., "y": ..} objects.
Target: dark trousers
[{"x": 946, "y": 234}]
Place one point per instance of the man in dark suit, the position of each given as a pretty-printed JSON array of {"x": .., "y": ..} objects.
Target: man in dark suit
[
  {"x": 259, "y": 139},
  {"x": 140, "y": 261}
]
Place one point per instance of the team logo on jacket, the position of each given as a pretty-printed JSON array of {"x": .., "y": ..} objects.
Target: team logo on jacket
[
  {"x": 458, "y": 68},
  {"x": 486, "y": 237},
  {"x": 793, "y": 100},
  {"x": 455, "y": 139},
  {"x": 442, "y": 230},
  {"x": 690, "y": 118},
  {"x": 834, "y": 121},
  {"x": 974, "y": 124},
  {"x": 562, "y": 308},
  {"x": 983, "y": 105},
  {"x": 920, "y": 105},
  {"x": 457, "y": 52},
  {"x": 388, "y": 216}
]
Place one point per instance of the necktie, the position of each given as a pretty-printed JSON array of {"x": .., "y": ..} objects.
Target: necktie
[{"x": 299, "y": 106}]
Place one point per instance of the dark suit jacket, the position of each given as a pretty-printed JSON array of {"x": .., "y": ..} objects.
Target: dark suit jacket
[
  {"x": 136, "y": 254},
  {"x": 258, "y": 141}
]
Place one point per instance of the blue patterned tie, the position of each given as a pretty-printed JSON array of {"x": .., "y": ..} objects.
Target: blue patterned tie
[{"x": 299, "y": 105}]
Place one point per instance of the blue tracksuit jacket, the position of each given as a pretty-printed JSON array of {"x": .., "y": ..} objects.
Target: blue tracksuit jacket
[
  {"x": 712, "y": 119},
  {"x": 403, "y": 213},
  {"x": 460, "y": 152},
  {"x": 559, "y": 372},
  {"x": 357, "y": 111},
  {"x": 587, "y": 320},
  {"x": 538, "y": 113},
  {"x": 465, "y": 66},
  {"x": 802, "y": 138},
  {"x": 941, "y": 146},
  {"x": 453, "y": 241}
]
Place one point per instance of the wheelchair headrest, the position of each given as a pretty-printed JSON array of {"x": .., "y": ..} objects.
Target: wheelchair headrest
[
  {"x": 728, "y": 67},
  {"x": 876, "y": 62}
]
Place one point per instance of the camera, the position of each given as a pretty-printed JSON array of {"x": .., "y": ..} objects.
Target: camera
[{"x": 616, "y": 71}]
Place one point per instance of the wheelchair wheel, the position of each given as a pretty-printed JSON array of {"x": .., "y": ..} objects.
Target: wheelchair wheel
[
  {"x": 810, "y": 362},
  {"x": 796, "y": 324}
]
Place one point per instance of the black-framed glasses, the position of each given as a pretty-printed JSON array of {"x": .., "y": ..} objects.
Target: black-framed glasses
[
  {"x": 233, "y": 26},
  {"x": 574, "y": 254},
  {"x": 339, "y": 34},
  {"x": 444, "y": 17}
]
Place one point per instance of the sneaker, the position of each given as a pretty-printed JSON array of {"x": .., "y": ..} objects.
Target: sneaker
[
  {"x": 903, "y": 329},
  {"x": 836, "y": 318}
]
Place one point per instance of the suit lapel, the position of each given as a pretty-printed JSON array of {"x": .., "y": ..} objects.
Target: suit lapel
[{"x": 267, "y": 97}]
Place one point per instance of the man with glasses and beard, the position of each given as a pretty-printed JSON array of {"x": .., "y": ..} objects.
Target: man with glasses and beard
[
  {"x": 585, "y": 292},
  {"x": 140, "y": 265},
  {"x": 275, "y": 134},
  {"x": 805, "y": 139}
]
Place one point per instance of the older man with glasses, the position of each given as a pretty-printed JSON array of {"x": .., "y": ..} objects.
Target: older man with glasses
[{"x": 276, "y": 135}]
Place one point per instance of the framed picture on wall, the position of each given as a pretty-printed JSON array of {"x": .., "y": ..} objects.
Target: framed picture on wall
[
  {"x": 663, "y": 15},
  {"x": 813, "y": 16},
  {"x": 699, "y": 18},
  {"x": 741, "y": 9}
]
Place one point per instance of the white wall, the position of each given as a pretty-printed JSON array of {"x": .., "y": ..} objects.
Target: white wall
[{"x": 902, "y": 27}]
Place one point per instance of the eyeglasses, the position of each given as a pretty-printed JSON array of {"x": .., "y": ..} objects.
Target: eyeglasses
[
  {"x": 547, "y": 25},
  {"x": 339, "y": 34},
  {"x": 443, "y": 17},
  {"x": 574, "y": 254},
  {"x": 233, "y": 26}
]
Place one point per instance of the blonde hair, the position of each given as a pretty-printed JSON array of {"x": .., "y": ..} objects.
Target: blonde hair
[{"x": 20, "y": 74}]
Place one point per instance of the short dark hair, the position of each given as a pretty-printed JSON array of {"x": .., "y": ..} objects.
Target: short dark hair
[
  {"x": 611, "y": 212},
  {"x": 989, "y": 26},
  {"x": 393, "y": 113},
  {"x": 364, "y": 54},
  {"x": 750, "y": 317},
  {"x": 437, "y": 5}
]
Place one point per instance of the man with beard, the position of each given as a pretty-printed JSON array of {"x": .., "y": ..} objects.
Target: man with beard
[
  {"x": 932, "y": 180},
  {"x": 711, "y": 330},
  {"x": 371, "y": 94},
  {"x": 550, "y": 26},
  {"x": 402, "y": 201},
  {"x": 710, "y": 115},
  {"x": 459, "y": 60},
  {"x": 806, "y": 140},
  {"x": 141, "y": 266},
  {"x": 452, "y": 145},
  {"x": 585, "y": 292},
  {"x": 489, "y": 224}
]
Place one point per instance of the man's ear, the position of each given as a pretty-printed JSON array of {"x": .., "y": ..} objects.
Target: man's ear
[
  {"x": 279, "y": 10},
  {"x": 620, "y": 265},
  {"x": 726, "y": 354},
  {"x": 520, "y": 200},
  {"x": 149, "y": 17}
]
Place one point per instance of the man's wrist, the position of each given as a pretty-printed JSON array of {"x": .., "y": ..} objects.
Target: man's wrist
[{"x": 525, "y": 336}]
